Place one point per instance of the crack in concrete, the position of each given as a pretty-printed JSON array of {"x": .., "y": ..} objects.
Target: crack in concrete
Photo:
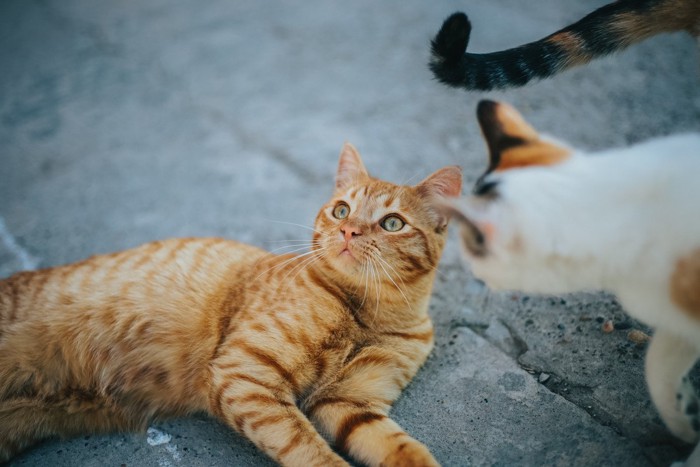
[
  {"x": 576, "y": 394},
  {"x": 240, "y": 134},
  {"x": 555, "y": 383},
  {"x": 580, "y": 395},
  {"x": 247, "y": 139},
  {"x": 478, "y": 328}
]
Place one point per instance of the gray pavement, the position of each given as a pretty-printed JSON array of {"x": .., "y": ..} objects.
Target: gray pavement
[{"x": 124, "y": 122}]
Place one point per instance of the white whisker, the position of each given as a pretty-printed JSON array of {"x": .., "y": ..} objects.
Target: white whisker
[
  {"x": 297, "y": 225},
  {"x": 293, "y": 240},
  {"x": 299, "y": 268},
  {"x": 380, "y": 257},
  {"x": 303, "y": 264},
  {"x": 283, "y": 263},
  {"x": 294, "y": 249},
  {"x": 435, "y": 268},
  {"x": 365, "y": 274},
  {"x": 354, "y": 292},
  {"x": 377, "y": 282},
  {"x": 392, "y": 280}
]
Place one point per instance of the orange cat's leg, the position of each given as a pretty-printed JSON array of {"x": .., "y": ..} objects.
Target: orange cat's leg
[
  {"x": 264, "y": 411},
  {"x": 353, "y": 410},
  {"x": 368, "y": 434},
  {"x": 25, "y": 421}
]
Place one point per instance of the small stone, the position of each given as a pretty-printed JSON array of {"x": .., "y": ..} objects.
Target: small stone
[
  {"x": 543, "y": 377},
  {"x": 561, "y": 326},
  {"x": 638, "y": 337},
  {"x": 608, "y": 326},
  {"x": 600, "y": 319}
]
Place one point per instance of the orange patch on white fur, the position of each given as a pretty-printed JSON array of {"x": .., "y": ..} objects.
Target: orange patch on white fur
[
  {"x": 512, "y": 123},
  {"x": 532, "y": 153},
  {"x": 685, "y": 284}
]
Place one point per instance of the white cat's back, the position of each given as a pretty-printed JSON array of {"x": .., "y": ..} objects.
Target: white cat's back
[
  {"x": 664, "y": 189},
  {"x": 661, "y": 178}
]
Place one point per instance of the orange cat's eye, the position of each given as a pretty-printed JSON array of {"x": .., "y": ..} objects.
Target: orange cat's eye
[
  {"x": 341, "y": 211},
  {"x": 392, "y": 223}
]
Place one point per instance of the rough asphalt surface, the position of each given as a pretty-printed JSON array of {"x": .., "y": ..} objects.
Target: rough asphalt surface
[{"x": 125, "y": 122}]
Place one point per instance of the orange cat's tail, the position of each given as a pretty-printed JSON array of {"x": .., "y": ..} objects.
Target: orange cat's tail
[{"x": 608, "y": 29}]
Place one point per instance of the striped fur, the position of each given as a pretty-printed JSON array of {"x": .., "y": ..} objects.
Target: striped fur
[
  {"x": 276, "y": 346},
  {"x": 609, "y": 29}
]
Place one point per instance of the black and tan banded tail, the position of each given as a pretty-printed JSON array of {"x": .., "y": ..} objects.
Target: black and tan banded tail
[{"x": 611, "y": 28}]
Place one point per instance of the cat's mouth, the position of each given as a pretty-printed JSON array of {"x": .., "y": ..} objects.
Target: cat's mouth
[{"x": 347, "y": 254}]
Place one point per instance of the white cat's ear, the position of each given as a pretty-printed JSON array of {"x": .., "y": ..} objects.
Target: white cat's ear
[
  {"x": 444, "y": 183},
  {"x": 512, "y": 142},
  {"x": 350, "y": 168}
]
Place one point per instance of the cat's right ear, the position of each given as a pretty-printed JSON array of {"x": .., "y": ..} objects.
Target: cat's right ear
[
  {"x": 512, "y": 142},
  {"x": 351, "y": 170}
]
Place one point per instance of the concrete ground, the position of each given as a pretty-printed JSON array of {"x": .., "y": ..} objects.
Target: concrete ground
[{"x": 124, "y": 122}]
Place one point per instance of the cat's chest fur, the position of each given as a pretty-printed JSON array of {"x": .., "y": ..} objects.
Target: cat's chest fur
[{"x": 320, "y": 336}]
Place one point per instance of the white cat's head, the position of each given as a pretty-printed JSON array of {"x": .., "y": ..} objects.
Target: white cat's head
[{"x": 506, "y": 226}]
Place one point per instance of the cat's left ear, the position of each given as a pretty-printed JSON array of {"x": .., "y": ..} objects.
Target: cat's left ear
[
  {"x": 351, "y": 170},
  {"x": 512, "y": 142},
  {"x": 445, "y": 183}
]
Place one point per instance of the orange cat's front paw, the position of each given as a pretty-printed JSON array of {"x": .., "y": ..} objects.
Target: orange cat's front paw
[{"x": 410, "y": 454}]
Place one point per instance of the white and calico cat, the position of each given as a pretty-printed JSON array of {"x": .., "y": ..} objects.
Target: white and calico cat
[{"x": 545, "y": 218}]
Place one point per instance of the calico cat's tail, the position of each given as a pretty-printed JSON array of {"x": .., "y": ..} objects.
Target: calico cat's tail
[{"x": 608, "y": 29}]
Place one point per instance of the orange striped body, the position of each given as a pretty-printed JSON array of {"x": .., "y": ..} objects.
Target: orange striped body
[{"x": 275, "y": 346}]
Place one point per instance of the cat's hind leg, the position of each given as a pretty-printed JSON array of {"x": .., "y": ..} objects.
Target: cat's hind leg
[
  {"x": 26, "y": 421},
  {"x": 668, "y": 361}
]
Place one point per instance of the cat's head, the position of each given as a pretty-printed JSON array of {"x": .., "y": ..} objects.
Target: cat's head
[
  {"x": 507, "y": 228},
  {"x": 375, "y": 230}
]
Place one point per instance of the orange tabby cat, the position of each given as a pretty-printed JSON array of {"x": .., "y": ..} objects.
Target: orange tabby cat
[{"x": 268, "y": 344}]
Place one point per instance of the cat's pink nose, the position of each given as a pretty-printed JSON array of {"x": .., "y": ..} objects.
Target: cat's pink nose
[{"x": 350, "y": 231}]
